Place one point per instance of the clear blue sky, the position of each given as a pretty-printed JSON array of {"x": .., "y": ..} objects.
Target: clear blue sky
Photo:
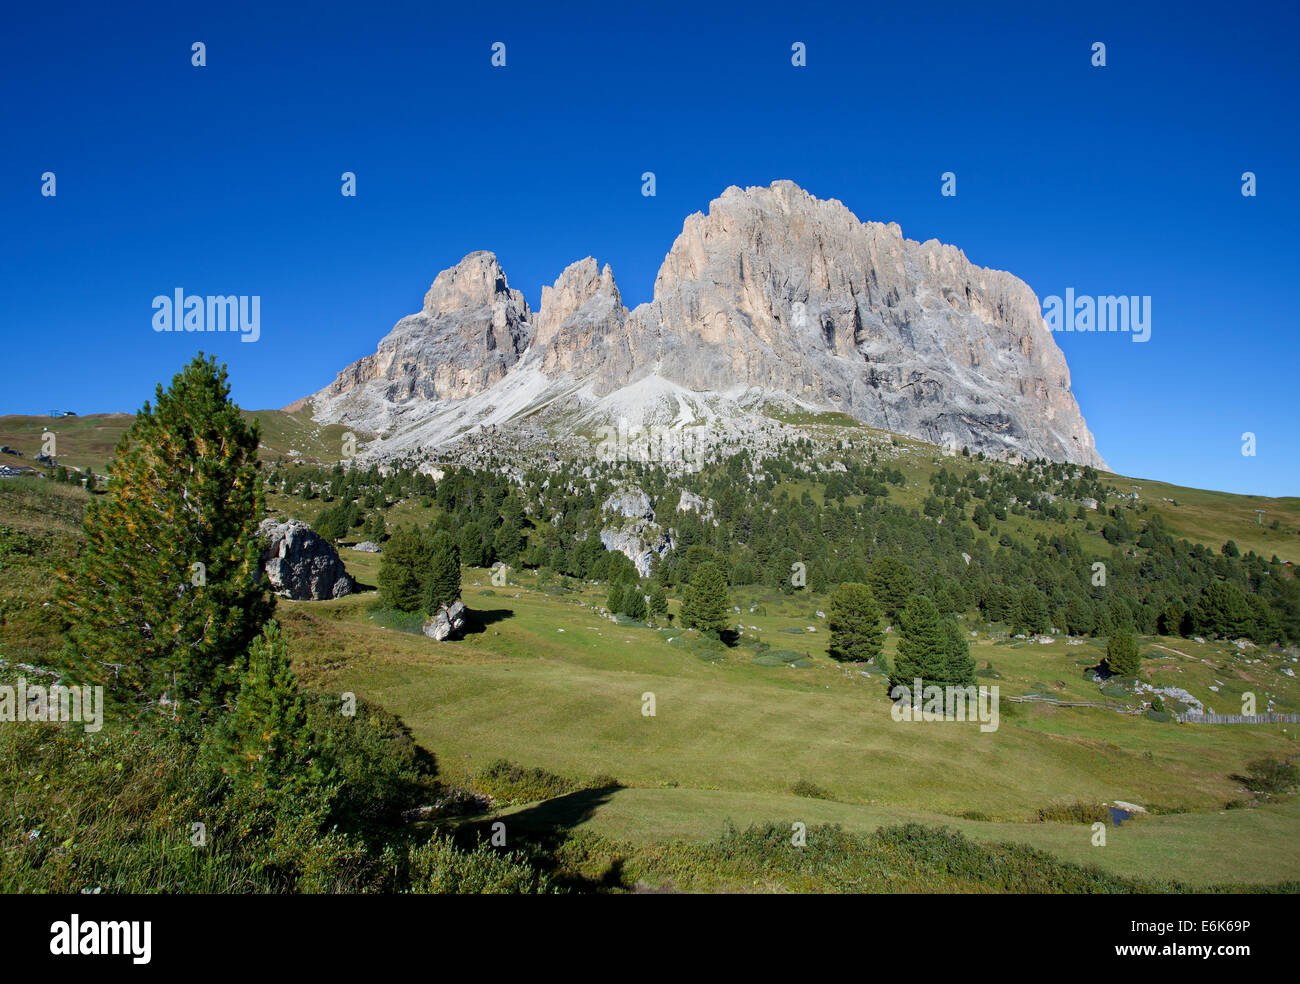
[{"x": 225, "y": 179}]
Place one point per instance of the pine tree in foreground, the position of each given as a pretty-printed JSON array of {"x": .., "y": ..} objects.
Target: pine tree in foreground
[
  {"x": 403, "y": 570},
  {"x": 959, "y": 666},
  {"x": 168, "y": 590},
  {"x": 634, "y": 606},
  {"x": 614, "y": 598},
  {"x": 266, "y": 739},
  {"x": 658, "y": 601},
  {"x": 932, "y": 647}
]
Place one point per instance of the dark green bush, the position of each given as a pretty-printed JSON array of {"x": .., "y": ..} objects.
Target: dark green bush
[{"x": 1270, "y": 775}]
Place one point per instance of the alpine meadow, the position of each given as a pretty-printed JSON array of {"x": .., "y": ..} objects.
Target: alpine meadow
[{"x": 804, "y": 557}]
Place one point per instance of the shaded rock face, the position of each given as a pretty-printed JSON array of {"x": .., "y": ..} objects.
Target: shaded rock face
[
  {"x": 771, "y": 289},
  {"x": 300, "y": 564},
  {"x": 448, "y": 621},
  {"x": 689, "y": 502}
]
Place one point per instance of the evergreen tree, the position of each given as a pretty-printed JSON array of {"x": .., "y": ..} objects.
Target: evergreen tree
[
  {"x": 854, "y": 623},
  {"x": 924, "y": 645},
  {"x": 959, "y": 666},
  {"x": 1122, "y": 654},
  {"x": 658, "y": 601},
  {"x": 1031, "y": 612},
  {"x": 442, "y": 585},
  {"x": 1170, "y": 621},
  {"x": 376, "y": 529},
  {"x": 508, "y": 543},
  {"x": 614, "y": 598},
  {"x": 266, "y": 740},
  {"x": 634, "y": 606},
  {"x": 705, "y": 603},
  {"x": 891, "y": 582},
  {"x": 1222, "y": 611},
  {"x": 403, "y": 570},
  {"x": 332, "y": 523},
  {"x": 168, "y": 590}
]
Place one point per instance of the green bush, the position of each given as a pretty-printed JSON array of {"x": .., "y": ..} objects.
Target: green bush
[
  {"x": 1270, "y": 775},
  {"x": 438, "y": 867},
  {"x": 906, "y": 858},
  {"x": 507, "y": 782},
  {"x": 810, "y": 790},
  {"x": 1073, "y": 813}
]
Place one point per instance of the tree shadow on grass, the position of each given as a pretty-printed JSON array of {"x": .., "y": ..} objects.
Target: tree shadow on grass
[
  {"x": 478, "y": 619},
  {"x": 548, "y": 825}
]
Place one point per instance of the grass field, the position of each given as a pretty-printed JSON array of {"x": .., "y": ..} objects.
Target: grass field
[{"x": 545, "y": 680}]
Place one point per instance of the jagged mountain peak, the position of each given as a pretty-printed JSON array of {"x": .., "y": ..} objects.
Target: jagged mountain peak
[{"x": 772, "y": 290}]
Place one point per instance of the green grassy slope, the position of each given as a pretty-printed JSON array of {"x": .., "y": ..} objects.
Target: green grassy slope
[
  {"x": 88, "y": 442},
  {"x": 548, "y": 682}
]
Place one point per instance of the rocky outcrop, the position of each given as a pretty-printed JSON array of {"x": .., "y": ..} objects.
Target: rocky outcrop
[
  {"x": 631, "y": 503},
  {"x": 690, "y": 502},
  {"x": 642, "y": 539},
  {"x": 300, "y": 564},
  {"x": 582, "y": 327},
  {"x": 771, "y": 292},
  {"x": 469, "y": 334},
  {"x": 448, "y": 621},
  {"x": 641, "y": 543},
  {"x": 778, "y": 290}
]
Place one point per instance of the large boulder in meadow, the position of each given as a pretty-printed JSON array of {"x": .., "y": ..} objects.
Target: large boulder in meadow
[
  {"x": 301, "y": 564},
  {"x": 449, "y": 621}
]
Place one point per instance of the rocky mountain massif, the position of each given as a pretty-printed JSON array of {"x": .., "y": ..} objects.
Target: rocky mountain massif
[{"x": 772, "y": 298}]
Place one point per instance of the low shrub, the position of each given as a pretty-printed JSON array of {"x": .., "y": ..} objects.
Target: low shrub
[
  {"x": 508, "y": 782},
  {"x": 810, "y": 790},
  {"x": 1270, "y": 775},
  {"x": 1073, "y": 813},
  {"x": 438, "y": 867}
]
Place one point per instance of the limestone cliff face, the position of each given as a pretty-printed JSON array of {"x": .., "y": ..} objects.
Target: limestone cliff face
[
  {"x": 469, "y": 334},
  {"x": 776, "y": 289},
  {"x": 772, "y": 290},
  {"x": 582, "y": 327}
]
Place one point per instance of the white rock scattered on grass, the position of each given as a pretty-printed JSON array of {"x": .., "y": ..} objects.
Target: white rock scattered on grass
[{"x": 1128, "y": 807}]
